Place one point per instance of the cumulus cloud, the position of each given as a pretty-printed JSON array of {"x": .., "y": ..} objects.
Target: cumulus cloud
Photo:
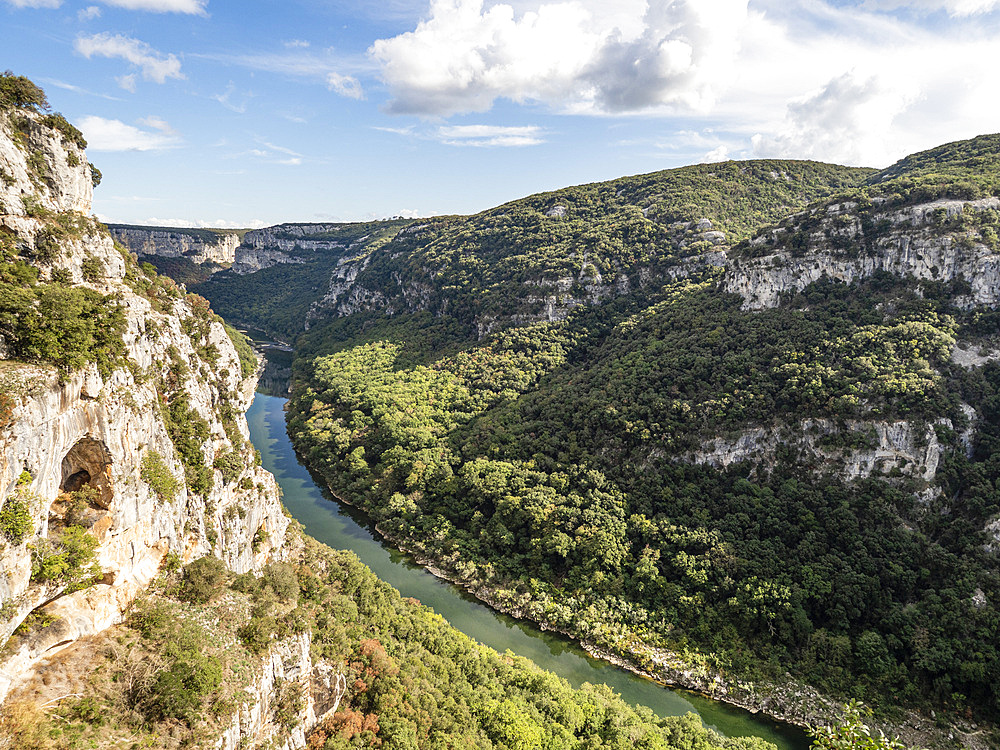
[
  {"x": 572, "y": 55},
  {"x": 193, "y": 7},
  {"x": 154, "y": 65},
  {"x": 114, "y": 135},
  {"x": 490, "y": 135},
  {"x": 849, "y": 121},
  {"x": 89, "y": 13},
  {"x": 348, "y": 86}
]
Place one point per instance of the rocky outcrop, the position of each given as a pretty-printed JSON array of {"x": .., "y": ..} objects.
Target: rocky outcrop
[
  {"x": 542, "y": 298},
  {"x": 851, "y": 450},
  {"x": 243, "y": 251},
  {"x": 287, "y": 670},
  {"x": 40, "y": 168},
  {"x": 62, "y": 432},
  {"x": 285, "y": 243},
  {"x": 198, "y": 246},
  {"x": 915, "y": 241}
]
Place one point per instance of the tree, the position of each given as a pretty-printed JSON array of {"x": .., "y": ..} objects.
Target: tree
[{"x": 853, "y": 733}]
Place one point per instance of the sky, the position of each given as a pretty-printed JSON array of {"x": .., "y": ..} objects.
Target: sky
[{"x": 245, "y": 114}]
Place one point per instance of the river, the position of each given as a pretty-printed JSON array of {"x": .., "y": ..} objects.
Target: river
[{"x": 345, "y": 527}]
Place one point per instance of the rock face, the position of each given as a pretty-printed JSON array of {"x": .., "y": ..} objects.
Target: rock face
[
  {"x": 198, "y": 246},
  {"x": 285, "y": 243},
  {"x": 909, "y": 242},
  {"x": 41, "y": 168},
  {"x": 243, "y": 251},
  {"x": 852, "y": 450},
  {"x": 287, "y": 666},
  {"x": 62, "y": 432},
  {"x": 357, "y": 285}
]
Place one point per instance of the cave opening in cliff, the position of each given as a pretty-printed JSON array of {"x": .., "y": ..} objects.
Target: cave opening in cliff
[{"x": 87, "y": 464}]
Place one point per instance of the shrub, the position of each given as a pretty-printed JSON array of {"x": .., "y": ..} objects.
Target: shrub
[
  {"x": 79, "y": 501},
  {"x": 16, "y": 521},
  {"x": 289, "y": 704},
  {"x": 203, "y": 580},
  {"x": 150, "y": 619},
  {"x": 68, "y": 131},
  {"x": 282, "y": 580},
  {"x": 95, "y": 174},
  {"x": 180, "y": 688},
  {"x": 230, "y": 464},
  {"x": 256, "y": 634},
  {"x": 93, "y": 268},
  {"x": 71, "y": 560},
  {"x": 248, "y": 360},
  {"x": 189, "y": 431},
  {"x": 260, "y": 536},
  {"x": 156, "y": 474}
]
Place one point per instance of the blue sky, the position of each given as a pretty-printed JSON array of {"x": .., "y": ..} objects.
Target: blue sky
[{"x": 212, "y": 113}]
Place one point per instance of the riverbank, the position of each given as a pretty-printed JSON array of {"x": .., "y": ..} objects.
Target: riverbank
[
  {"x": 794, "y": 703},
  {"x": 791, "y": 702},
  {"x": 343, "y": 526}
]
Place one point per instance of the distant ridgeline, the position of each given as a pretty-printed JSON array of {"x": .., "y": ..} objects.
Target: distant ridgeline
[
  {"x": 744, "y": 416},
  {"x": 293, "y": 261}
]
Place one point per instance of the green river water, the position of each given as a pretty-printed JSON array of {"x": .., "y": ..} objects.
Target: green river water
[{"x": 344, "y": 527}]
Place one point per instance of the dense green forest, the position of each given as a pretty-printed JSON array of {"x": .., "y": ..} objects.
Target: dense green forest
[
  {"x": 553, "y": 464},
  {"x": 176, "y": 668},
  {"x": 545, "y": 463}
]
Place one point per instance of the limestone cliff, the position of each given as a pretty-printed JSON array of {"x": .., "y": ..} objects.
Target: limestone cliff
[
  {"x": 244, "y": 251},
  {"x": 360, "y": 283},
  {"x": 285, "y": 243},
  {"x": 136, "y": 458},
  {"x": 847, "y": 242},
  {"x": 197, "y": 245}
]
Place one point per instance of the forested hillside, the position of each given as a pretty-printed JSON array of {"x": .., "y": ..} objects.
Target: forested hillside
[{"x": 561, "y": 404}]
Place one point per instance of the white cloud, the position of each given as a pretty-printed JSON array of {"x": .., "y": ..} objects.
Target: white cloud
[
  {"x": 154, "y": 221},
  {"x": 345, "y": 85},
  {"x": 490, "y": 135},
  {"x": 848, "y": 121},
  {"x": 127, "y": 82},
  {"x": 89, "y": 13},
  {"x": 296, "y": 44},
  {"x": 274, "y": 153},
  {"x": 951, "y": 7},
  {"x": 154, "y": 65},
  {"x": 408, "y": 130},
  {"x": 193, "y": 7},
  {"x": 574, "y": 55},
  {"x": 77, "y": 89},
  {"x": 720, "y": 153},
  {"x": 228, "y": 99},
  {"x": 114, "y": 135}
]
